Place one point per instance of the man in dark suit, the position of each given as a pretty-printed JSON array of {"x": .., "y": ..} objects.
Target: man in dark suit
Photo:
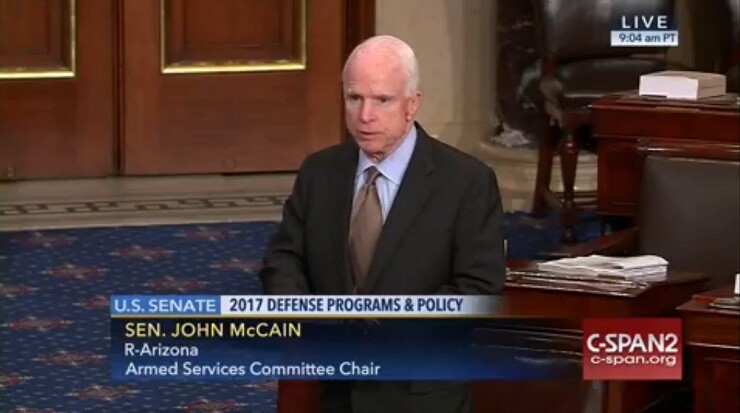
[{"x": 391, "y": 211}]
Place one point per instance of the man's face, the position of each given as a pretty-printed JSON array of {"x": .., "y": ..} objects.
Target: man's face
[{"x": 378, "y": 111}]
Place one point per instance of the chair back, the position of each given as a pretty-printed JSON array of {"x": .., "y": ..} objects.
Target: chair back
[
  {"x": 728, "y": 28},
  {"x": 733, "y": 7},
  {"x": 689, "y": 208},
  {"x": 580, "y": 29}
]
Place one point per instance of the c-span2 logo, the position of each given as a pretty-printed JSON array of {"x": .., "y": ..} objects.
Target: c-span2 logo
[
  {"x": 636, "y": 25},
  {"x": 632, "y": 349}
]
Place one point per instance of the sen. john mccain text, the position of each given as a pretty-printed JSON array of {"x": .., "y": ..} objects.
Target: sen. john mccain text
[{"x": 205, "y": 329}]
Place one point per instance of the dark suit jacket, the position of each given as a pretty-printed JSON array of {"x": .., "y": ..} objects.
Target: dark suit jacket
[{"x": 443, "y": 234}]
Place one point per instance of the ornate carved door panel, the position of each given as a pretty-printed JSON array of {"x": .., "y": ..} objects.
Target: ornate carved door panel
[
  {"x": 229, "y": 85},
  {"x": 57, "y": 90},
  {"x": 92, "y": 88}
]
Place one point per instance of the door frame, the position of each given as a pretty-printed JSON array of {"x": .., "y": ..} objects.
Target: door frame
[{"x": 359, "y": 23}]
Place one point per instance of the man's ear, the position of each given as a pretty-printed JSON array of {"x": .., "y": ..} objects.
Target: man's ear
[{"x": 412, "y": 106}]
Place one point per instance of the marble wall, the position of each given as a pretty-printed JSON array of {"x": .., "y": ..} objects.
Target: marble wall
[{"x": 453, "y": 41}]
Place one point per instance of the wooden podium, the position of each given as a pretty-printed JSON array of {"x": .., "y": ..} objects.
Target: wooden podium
[
  {"x": 555, "y": 310},
  {"x": 712, "y": 335}
]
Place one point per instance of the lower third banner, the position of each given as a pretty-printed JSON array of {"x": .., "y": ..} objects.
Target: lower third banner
[{"x": 231, "y": 349}]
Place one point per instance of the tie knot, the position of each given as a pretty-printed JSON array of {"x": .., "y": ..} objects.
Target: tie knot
[{"x": 371, "y": 174}]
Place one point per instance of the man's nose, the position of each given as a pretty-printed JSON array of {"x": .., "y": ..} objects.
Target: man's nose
[{"x": 367, "y": 111}]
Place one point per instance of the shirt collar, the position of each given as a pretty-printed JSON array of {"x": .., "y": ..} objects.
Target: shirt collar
[{"x": 393, "y": 167}]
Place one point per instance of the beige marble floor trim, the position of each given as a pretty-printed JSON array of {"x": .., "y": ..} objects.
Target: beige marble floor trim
[
  {"x": 142, "y": 201},
  {"x": 119, "y": 188},
  {"x": 40, "y": 215}
]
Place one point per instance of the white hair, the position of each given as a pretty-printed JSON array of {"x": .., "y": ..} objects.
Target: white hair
[{"x": 399, "y": 49}]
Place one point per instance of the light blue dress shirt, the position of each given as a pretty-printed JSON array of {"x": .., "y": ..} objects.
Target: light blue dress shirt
[{"x": 391, "y": 170}]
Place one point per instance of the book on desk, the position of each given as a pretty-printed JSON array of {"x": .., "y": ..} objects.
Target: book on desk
[{"x": 678, "y": 84}]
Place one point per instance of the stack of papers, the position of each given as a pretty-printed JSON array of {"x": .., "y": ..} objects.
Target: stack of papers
[{"x": 637, "y": 268}]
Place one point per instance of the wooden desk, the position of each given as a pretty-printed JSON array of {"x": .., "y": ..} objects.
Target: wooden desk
[
  {"x": 558, "y": 309},
  {"x": 566, "y": 305},
  {"x": 713, "y": 338},
  {"x": 619, "y": 121}
]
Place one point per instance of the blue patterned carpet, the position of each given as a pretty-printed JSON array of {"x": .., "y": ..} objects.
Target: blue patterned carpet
[{"x": 54, "y": 308}]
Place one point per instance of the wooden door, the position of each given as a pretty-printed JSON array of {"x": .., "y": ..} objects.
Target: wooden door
[
  {"x": 57, "y": 95},
  {"x": 229, "y": 85}
]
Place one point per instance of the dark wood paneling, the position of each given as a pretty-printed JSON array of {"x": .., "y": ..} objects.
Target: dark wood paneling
[
  {"x": 360, "y": 22},
  {"x": 705, "y": 327},
  {"x": 34, "y": 33},
  {"x": 59, "y": 128},
  {"x": 617, "y": 154},
  {"x": 225, "y": 30},
  {"x": 722, "y": 381},
  {"x": 229, "y": 122},
  {"x": 712, "y": 337}
]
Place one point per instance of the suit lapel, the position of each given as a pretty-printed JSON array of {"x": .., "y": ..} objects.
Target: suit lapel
[
  {"x": 412, "y": 195},
  {"x": 343, "y": 183}
]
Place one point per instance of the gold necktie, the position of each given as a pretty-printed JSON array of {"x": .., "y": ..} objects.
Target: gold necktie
[{"x": 364, "y": 228}]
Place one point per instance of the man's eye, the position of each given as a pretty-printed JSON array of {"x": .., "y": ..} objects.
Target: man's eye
[
  {"x": 353, "y": 97},
  {"x": 384, "y": 99}
]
